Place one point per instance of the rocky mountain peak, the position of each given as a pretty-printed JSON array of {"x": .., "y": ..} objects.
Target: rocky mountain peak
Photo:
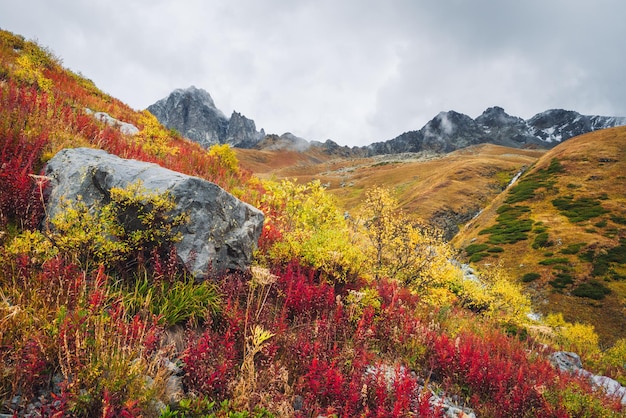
[
  {"x": 449, "y": 131},
  {"x": 496, "y": 117},
  {"x": 193, "y": 113},
  {"x": 198, "y": 95},
  {"x": 556, "y": 125}
]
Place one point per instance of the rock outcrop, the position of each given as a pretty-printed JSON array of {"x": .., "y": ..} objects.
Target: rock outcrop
[
  {"x": 194, "y": 115},
  {"x": 222, "y": 231},
  {"x": 124, "y": 127},
  {"x": 570, "y": 363}
]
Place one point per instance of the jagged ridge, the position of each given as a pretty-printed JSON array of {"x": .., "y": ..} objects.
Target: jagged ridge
[
  {"x": 193, "y": 113},
  {"x": 449, "y": 131}
]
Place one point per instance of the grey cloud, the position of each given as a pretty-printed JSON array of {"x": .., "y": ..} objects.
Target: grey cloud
[{"x": 355, "y": 71}]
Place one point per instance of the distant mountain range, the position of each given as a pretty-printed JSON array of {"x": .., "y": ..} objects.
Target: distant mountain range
[{"x": 193, "y": 113}]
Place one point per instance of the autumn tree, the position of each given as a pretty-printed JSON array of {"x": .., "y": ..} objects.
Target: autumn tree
[
  {"x": 400, "y": 247},
  {"x": 312, "y": 227}
]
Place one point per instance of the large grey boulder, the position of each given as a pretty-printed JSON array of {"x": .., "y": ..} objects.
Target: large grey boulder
[{"x": 222, "y": 231}]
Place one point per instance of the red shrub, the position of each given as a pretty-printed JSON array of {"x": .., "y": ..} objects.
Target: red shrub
[
  {"x": 210, "y": 363},
  {"x": 496, "y": 371},
  {"x": 305, "y": 295},
  {"x": 31, "y": 369},
  {"x": 20, "y": 194}
]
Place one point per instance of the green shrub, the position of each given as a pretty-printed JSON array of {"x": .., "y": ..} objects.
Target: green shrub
[
  {"x": 555, "y": 167},
  {"x": 475, "y": 248},
  {"x": 477, "y": 257},
  {"x": 619, "y": 219},
  {"x": 561, "y": 280},
  {"x": 592, "y": 290},
  {"x": 509, "y": 228},
  {"x": 495, "y": 250},
  {"x": 600, "y": 224},
  {"x": 542, "y": 240},
  {"x": 556, "y": 260},
  {"x": 530, "y": 277},
  {"x": 602, "y": 261},
  {"x": 578, "y": 210},
  {"x": 573, "y": 248}
]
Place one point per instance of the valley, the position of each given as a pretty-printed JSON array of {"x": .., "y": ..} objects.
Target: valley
[
  {"x": 463, "y": 193},
  {"x": 445, "y": 190}
]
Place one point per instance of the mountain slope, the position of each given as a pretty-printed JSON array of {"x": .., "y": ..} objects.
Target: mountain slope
[
  {"x": 562, "y": 230},
  {"x": 444, "y": 190}
]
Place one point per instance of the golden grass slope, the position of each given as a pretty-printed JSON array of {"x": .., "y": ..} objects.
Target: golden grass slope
[
  {"x": 425, "y": 184},
  {"x": 580, "y": 246}
]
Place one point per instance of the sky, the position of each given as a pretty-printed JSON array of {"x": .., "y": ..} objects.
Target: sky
[{"x": 354, "y": 71}]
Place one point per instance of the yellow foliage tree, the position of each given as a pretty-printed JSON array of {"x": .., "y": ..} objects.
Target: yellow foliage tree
[
  {"x": 312, "y": 227},
  {"x": 399, "y": 247}
]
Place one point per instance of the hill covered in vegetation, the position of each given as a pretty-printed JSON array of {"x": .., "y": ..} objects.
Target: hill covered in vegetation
[
  {"x": 358, "y": 316},
  {"x": 561, "y": 230}
]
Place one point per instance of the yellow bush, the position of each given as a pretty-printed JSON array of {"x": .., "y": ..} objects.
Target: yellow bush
[
  {"x": 357, "y": 301},
  {"x": 153, "y": 137},
  {"x": 225, "y": 156},
  {"x": 134, "y": 222},
  {"x": 313, "y": 229},
  {"x": 579, "y": 338},
  {"x": 29, "y": 72},
  {"x": 33, "y": 243},
  {"x": 88, "y": 236},
  {"x": 508, "y": 301}
]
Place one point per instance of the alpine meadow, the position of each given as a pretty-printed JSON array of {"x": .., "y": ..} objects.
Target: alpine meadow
[{"x": 329, "y": 282}]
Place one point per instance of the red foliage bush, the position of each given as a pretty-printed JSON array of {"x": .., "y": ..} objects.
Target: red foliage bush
[
  {"x": 210, "y": 364},
  {"x": 496, "y": 372},
  {"x": 305, "y": 295},
  {"x": 20, "y": 194}
]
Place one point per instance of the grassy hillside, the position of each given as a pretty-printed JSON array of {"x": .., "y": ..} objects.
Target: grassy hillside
[
  {"x": 562, "y": 231},
  {"x": 445, "y": 190},
  {"x": 337, "y": 317}
]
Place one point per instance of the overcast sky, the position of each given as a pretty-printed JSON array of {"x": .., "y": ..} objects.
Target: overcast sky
[{"x": 354, "y": 71}]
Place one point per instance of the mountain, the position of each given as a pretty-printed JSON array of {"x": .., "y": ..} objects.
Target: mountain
[
  {"x": 193, "y": 113},
  {"x": 449, "y": 131},
  {"x": 561, "y": 230}
]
